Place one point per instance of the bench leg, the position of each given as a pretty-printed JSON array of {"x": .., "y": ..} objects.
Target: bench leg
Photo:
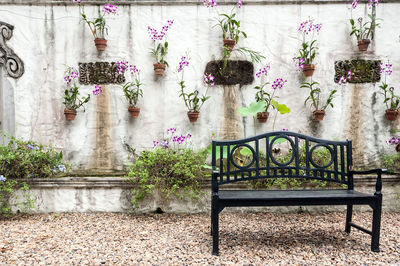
[
  {"x": 376, "y": 224},
  {"x": 349, "y": 215},
  {"x": 214, "y": 226}
]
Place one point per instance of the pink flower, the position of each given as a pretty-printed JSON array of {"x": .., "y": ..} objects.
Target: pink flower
[
  {"x": 208, "y": 79},
  {"x": 354, "y": 3},
  {"x": 263, "y": 71},
  {"x": 210, "y": 3},
  {"x": 239, "y": 3},
  {"x": 278, "y": 83},
  {"x": 97, "y": 90},
  {"x": 184, "y": 62},
  {"x": 110, "y": 9}
]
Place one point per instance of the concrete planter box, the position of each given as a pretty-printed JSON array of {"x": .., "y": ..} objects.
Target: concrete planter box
[{"x": 113, "y": 194}]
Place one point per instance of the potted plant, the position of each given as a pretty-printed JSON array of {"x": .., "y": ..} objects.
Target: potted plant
[
  {"x": 71, "y": 94},
  {"x": 364, "y": 30},
  {"x": 98, "y": 25},
  {"x": 131, "y": 88},
  {"x": 307, "y": 52},
  {"x": 263, "y": 96},
  {"x": 230, "y": 30},
  {"x": 391, "y": 100},
  {"x": 192, "y": 100},
  {"x": 160, "y": 47},
  {"x": 315, "y": 100}
]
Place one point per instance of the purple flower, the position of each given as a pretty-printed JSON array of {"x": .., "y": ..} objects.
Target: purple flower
[
  {"x": 239, "y": 3},
  {"x": 372, "y": 2},
  {"x": 172, "y": 130},
  {"x": 184, "y": 62},
  {"x": 394, "y": 141},
  {"x": 285, "y": 129},
  {"x": 70, "y": 75},
  {"x": 155, "y": 143},
  {"x": 153, "y": 33},
  {"x": 300, "y": 64},
  {"x": 76, "y": 1},
  {"x": 110, "y": 9},
  {"x": 208, "y": 79},
  {"x": 342, "y": 80},
  {"x": 122, "y": 66},
  {"x": 278, "y": 83},
  {"x": 189, "y": 135},
  {"x": 210, "y": 3},
  {"x": 387, "y": 68},
  {"x": 97, "y": 90},
  {"x": 354, "y": 3},
  {"x": 307, "y": 26},
  {"x": 263, "y": 71}
]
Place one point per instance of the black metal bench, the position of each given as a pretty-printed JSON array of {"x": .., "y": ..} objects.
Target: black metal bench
[{"x": 260, "y": 162}]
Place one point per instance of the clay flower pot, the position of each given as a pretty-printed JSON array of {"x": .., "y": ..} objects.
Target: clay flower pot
[
  {"x": 391, "y": 114},
  {"x": 308, "y": 70},
  {"x": 363, "y": 44},
  {"x": 319, "y": 115},
  {"x": 193, "y": 116},
  {"x": 262, "y": 117},
  {"x": 229, "y": 43},
  {"x": 134, "y": 111},
  {"x": 101, "y": 44},
  {"x": 69, "y": 114},
  {"x": 159, "y": 69}
]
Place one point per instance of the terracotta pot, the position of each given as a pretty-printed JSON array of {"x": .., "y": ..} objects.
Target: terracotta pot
[
  {"x": 193, "y": 116},
  {"x": 363, "y": 44},
  {"x": 229, "y": 43},
  {"x": 134, "y": 111},
  {"x": 262, "y": 117},
  {"x": 319, "y": 115},
  {"x": 69, "y": 114},
  {"x": 391, "y": 114},
  {"x": 308, "y": 70},
  {"x": 159, "y": 69},
  {"x": 101, "y": 44}
]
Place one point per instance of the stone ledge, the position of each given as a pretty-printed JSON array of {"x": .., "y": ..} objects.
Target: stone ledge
[
  {"x": 119, "y": 182},
  {"x": 179, "y": 2}
]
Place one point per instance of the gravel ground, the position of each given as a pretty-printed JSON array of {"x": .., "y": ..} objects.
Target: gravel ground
[{"x": 172, "y": 239}]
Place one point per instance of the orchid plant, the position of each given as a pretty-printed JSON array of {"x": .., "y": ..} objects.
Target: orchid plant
[
  {"x": 131, "y": 88},
  {"x": 71, "y": 93},
  {"x": 262, "y": 95},
  {"x": 192, "y": 100},
  {"x": 391, "y": 100},
  {"x": 364, "y": 30},
  {"x": 230, "y": 26},
  {"x": 160, "y": 49},
  {"x": 308, "y": 49},
  {"x": 98, "y": 25},
  {"x": 174, "y": 141},
  {"x": 315, "y": 100}
]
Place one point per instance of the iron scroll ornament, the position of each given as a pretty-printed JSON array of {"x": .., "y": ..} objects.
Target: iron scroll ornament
[
  {"x": 363, "y": 71},
  {"x": 12, "y": 63},
  {"x": 100, "y": 73}
]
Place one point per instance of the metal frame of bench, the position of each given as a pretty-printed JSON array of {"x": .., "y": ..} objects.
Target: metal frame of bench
[{"x": 342, "y": 173}]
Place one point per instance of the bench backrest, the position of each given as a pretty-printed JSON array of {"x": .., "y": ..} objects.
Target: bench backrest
[{"x": 256, "y": 157}]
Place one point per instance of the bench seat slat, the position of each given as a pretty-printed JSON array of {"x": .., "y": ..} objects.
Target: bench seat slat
[{"x": 292, "y": 194}]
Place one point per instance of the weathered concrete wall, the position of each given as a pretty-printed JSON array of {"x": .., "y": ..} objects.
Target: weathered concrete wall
[
  {"x": 50, "y": 34},
  {"x": 113, "y": 194}
]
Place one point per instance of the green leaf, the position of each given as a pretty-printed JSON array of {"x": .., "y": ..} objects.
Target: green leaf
[
  {"x": 246, "y": 151},
  {"x": 217, "y": 153},
  {"x": 282, "y": 108},
  {"x": 253, "y": 109}
]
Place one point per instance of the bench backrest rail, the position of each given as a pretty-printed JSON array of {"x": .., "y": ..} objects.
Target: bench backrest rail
[{"x": 257, "y": 157}]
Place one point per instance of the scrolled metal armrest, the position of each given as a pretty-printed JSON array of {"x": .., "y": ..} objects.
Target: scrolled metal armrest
[{"x": 379, "y": 172}]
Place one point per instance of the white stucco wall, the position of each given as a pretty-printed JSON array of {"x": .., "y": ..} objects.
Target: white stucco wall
[{"x": 48, "y": 37}]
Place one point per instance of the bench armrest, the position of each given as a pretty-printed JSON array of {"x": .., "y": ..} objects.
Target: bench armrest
[{"x": 379, "y": 172}]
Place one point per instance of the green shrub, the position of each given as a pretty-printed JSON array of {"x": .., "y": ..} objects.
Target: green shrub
[
  {"x": 171, "y": 172},
  {"x": 21, "y": 160},
  {"x": 392, "y": 162}
]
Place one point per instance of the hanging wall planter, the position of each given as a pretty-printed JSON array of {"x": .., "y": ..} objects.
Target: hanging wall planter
[
  {"x": 262, "y": 117},
  {"x": 69, "y": 114},
  {"x": 391, "y": 115},
  {"x": 101, "y": 44},
  {"x": 159, "y": 69},
  {"x": 363, "y": 45},
  {"x": 193, "y": 116},
  {"x": 308, "y": 70},
  {"x": 319, "y": 115},
  {"x": 229, "y": 43},
  {"x": 134, "y": 111}
]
